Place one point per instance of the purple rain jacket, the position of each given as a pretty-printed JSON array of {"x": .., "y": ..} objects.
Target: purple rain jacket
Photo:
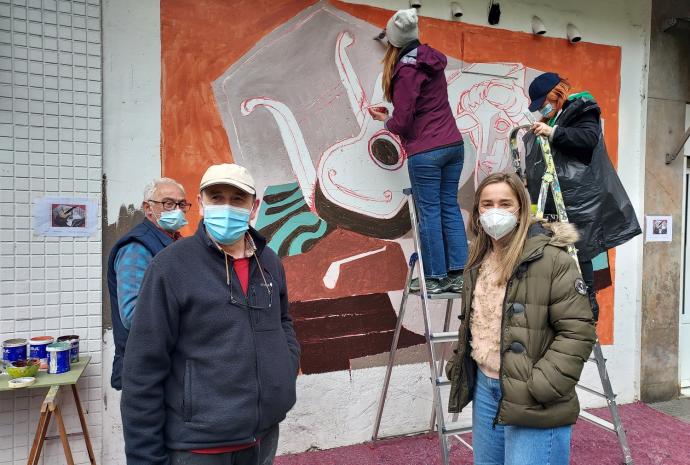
[{"x": 422, "y": 117}]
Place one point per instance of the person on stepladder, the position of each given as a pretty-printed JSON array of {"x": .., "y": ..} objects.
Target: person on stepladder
[
  {"x": 414, "y": 81},
  {"x": 526, "y": 333},
  {"x": 595, "y": 199}
]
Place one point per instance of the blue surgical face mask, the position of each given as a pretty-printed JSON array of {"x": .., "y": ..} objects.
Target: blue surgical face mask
[
  {"x": 546, "y": 110},
  {"x": 171, "y": 221},
  {"x": 226, "y": 224}
]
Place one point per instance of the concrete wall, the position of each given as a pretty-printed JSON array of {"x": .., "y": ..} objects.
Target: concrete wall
[
  {"x": 668, "y": 94},
  {"x": 131, "y": 151},
  {"x": 337, "y": 408},
  {"x": 50, "y": 144}
]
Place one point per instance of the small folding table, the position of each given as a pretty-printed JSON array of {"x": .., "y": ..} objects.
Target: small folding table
[{"x": 50, "y": 407}]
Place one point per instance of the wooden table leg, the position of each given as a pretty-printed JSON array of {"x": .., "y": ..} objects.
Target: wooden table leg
[
  {"x": 41, "y": 430},
  {"x": 63, "y": 436},
  {"x": 42, "y": 427},
  {"x": 85, "y": 430}
]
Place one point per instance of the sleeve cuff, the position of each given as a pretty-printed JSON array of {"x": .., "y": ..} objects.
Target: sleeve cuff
[{"x": 553, "y": 132}]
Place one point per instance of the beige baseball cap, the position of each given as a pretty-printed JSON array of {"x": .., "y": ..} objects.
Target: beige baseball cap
[{"x": 230, "y": 174}]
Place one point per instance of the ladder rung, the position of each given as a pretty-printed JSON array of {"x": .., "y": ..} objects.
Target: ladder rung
[
  {"x": 442, "y": 382},
  {"x": 597, "y": 421},
  {"x": 452, "y": 430},
  {"x": 451, "y": 336},
  {"x": 442, "y": 296},
  {"x": 592, "y": 391}
]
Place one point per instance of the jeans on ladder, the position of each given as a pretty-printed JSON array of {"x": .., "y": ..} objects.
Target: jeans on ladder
[
  {"x": 587, "y": 269},
  {"x": 512, "y": 445},
  {"x": 434, "y": 176}
]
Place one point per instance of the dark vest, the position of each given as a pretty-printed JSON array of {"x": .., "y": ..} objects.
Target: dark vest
[{"x": 155, "y": 240}]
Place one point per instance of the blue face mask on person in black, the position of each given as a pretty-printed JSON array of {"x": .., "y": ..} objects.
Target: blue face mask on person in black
[
  {"x": 226, "y": 224},
  {"x": 171, "y": 221},
  {"x": 546, "y": 110}
]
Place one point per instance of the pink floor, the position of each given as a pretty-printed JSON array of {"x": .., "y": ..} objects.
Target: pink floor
[{"x": 655, "y": 439}]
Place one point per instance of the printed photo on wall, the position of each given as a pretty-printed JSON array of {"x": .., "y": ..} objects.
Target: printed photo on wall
[
  {"x": 61, "y": 216},
  {"x": 659, "y": 229}
]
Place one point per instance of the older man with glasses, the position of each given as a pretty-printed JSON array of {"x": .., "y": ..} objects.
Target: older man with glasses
[
  {"x": 164, "y": 208},
  {"x": 212, "y": 358}
]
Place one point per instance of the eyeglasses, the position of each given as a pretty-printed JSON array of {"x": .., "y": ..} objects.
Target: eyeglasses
[
  {"x": 252, "y": 293},
  {"x": 169, "y": 205}
]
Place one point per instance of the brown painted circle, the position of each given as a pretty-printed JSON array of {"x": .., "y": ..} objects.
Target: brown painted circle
[{"x": 385, "y": 152}]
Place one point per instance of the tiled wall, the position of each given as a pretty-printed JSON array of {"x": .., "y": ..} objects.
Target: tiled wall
[{"x": 50, "y": 144}]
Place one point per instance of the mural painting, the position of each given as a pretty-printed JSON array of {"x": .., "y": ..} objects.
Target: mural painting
[{"x": 287, "y": 94}]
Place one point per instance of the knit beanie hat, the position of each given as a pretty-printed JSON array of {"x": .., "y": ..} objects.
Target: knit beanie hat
[{"x": 402, "y": 28}]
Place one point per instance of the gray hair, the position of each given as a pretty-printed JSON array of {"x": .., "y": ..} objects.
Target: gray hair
[{"x": 152, "y": 187}]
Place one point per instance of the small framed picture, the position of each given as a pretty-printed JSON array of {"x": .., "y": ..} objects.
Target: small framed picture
[
  {"x": 63, "y": 216},
  {"x": 659, "y": 229}
]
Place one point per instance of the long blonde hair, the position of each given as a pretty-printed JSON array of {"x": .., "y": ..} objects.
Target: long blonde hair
[
  {"x": 390, "y": 59},
  {"x": 512, "y": 251}
]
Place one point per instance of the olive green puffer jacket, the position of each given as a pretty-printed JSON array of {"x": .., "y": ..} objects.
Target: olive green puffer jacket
[{"x": 547, "y": 335}]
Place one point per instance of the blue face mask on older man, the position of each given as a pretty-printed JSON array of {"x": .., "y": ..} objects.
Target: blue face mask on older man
[
  {"x": 171, "y": 221},
  {"x": 226, "y": 224}
]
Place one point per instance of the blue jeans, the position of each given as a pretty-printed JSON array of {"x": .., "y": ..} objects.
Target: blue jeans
[
  {"x": 512, "y": 445},
  {"x": 435, "y": 176}
]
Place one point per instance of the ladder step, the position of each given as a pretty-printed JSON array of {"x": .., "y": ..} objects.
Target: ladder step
[
  {"x": 442, "y": 296},
  {"x": 451, "y": 336},
  {"x": 595, "y": 392},
  {"x": 451, "y": 430},
  {"x": 597, "y": 421},
  {"x": 442, "y": 382}
]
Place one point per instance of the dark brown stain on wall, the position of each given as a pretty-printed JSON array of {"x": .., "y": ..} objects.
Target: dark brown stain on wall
[{"x": 127, "y": 218}]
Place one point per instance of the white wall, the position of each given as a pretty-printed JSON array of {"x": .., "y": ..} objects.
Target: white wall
[
  {"x": 335, "y": 409},
  {"x": 131, "y": 141},
  {"x": 50, "y": 144},
  {"x": 132, "y": 103}
]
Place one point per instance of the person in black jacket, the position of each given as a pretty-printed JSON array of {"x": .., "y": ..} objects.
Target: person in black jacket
[
  {"x": 212, "y": 358},
  {"x": 595, "y": 199}
]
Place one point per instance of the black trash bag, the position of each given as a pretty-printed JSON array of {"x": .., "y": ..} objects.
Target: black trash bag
[{"x": 595, "y": 199}]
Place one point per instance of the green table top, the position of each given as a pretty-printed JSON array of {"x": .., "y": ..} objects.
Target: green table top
[{"x": 44, "y": 379}]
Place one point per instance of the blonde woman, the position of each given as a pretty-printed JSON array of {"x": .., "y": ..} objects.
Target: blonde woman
[
  {"x": 526, "y": 334},
  {"x": 414, "y": 81}
]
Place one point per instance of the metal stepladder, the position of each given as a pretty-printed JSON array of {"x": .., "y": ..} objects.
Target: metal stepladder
[
  {"x": 549, "y": 182},
  {"x": 436, "y": 363}
]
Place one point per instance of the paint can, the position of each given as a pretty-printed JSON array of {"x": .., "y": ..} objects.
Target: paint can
[
  {"x": 58, "y": 358},
  {"x": 37, "y": 349},
  {"x": 14, "y": 350},
  {"x": 73, "y": 341}
]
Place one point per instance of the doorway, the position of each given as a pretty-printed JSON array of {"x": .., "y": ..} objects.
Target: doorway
[{"x": 684, "y": 323}]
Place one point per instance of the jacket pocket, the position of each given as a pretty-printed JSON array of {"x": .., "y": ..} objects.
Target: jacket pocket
[
  {"x": 463, "y": 377},
  {"x": 266, "y": 302},
  {"x": 187, "y": 396}
]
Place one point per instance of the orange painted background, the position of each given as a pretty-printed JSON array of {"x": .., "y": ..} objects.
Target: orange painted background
[{"x": 202, "y": 39}]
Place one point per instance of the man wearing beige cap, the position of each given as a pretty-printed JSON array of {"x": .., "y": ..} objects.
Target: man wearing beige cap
[{"x": 212, "y": 357}]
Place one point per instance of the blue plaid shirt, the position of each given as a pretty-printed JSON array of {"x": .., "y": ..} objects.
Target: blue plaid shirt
[{"x": 131, "y": 263}]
